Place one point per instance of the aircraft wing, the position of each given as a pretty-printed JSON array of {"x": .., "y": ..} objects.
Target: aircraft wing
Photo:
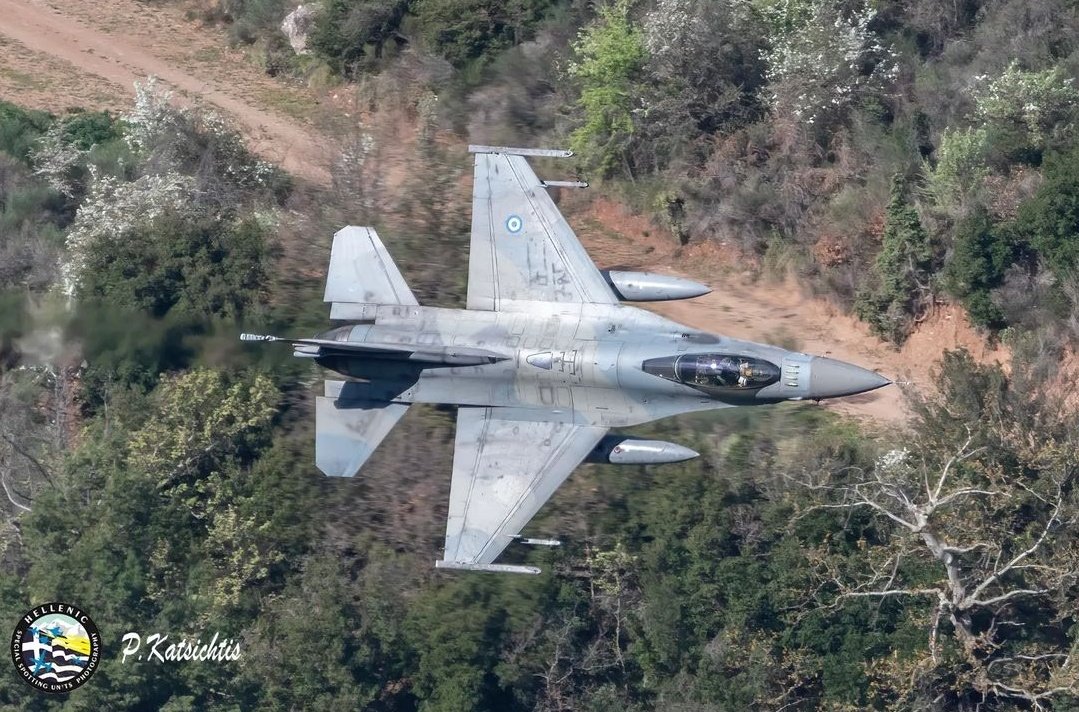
[
  {"x": 522, "y": 248},
  {"x": 507, "y": 463}
]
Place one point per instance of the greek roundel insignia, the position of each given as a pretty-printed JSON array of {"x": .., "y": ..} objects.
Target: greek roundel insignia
[{"x": 514, "y": 223}]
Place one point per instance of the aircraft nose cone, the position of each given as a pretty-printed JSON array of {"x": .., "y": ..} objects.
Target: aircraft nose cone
[{"x": 829, "y": 378}]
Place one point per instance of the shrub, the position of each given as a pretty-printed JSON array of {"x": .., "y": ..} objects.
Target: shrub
[
  {"x": 979, "y": 258},
  {"x": 201, "y": 267},
  {"x": 1050, "y": 220},
  {"x": 704, "y": 76},
  {"x": 960, "y": 167},
  {"x": 348, "y": 30},
  {"x": 902, "y": 270},
  {"x": 20, "y": 128},
  {"x": 86, "y": 129},
  {"x": 822, "y": 61}
]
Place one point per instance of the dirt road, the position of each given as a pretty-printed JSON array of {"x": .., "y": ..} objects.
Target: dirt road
[
  {"x": 126, "y": 55},
  {"x": 56, "y": 55}
]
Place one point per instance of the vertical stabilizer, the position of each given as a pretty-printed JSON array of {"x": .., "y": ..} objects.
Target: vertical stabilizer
[{"x": 362, "y": 272}]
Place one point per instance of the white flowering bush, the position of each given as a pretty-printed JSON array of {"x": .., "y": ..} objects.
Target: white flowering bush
[
  {"x": 153, "y": 121},
  {"x": 819, "y": 57},
  {"x": 667, "y": 29},
  {"x": 113, "y": 209},
  {"x": 56, "y": 159},
  {"x": 702, "y": 75},
  {"x": 1041, "y": 103},
  {"x": 237, "y": 164},
  {"x": 171, "y": 138},
  {"x": 893, "y": 460},
  {"x": 676, "y": 30}
]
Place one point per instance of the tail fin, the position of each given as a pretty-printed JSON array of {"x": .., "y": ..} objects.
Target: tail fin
[
  {"x": 349, "y": 426},
  {"x": 362, "y": 272}
]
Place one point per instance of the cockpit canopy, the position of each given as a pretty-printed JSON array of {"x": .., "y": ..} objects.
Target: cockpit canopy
[{"x": 718, "y": 373}]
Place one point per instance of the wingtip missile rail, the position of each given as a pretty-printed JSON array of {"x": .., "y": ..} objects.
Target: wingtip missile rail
[
  {"x": 511, "y": 151},
  {"x": 490, "y": 568},
  {"x": 537, "y": 542}
]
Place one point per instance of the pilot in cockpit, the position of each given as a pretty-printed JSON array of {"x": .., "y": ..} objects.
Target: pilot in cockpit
[
  {"x": 745, "y": 372},
  {"x": 726, "y": 370}
]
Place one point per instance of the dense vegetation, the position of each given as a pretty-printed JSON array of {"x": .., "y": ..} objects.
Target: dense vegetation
[
  {"x": 774, "y": 125},
  {"x": 162, "y": 477}
]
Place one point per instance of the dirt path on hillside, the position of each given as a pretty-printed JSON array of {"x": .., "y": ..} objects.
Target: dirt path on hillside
[
  {"x": 129, "y": 53},
  {"x": 57, "y": 55}
]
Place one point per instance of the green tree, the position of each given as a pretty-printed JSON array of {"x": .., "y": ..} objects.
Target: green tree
[
  {"x": 1049, "y": 221},
  {"x": 164, "y": 513},
  {"x": 979, "y": 257},
  {"x": 959, "y": 170},
  {"x": 347, "y": 31},
  {"x": 608, "y": 58},
  {"x": 465, "y": 30},
  {"x": 902, "y": 270},
  {"x": 305, "y": 650},
  {"x": 455, "y": 632}
]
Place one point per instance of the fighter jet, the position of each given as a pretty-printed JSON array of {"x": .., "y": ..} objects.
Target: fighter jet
[{"x": 543, "y": 362}]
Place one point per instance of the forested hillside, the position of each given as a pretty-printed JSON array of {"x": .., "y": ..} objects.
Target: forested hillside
[{"x": 891, "y": 155}]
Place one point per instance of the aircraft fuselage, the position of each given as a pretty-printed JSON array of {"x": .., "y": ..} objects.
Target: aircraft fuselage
[{"x": 595, "y": 364}]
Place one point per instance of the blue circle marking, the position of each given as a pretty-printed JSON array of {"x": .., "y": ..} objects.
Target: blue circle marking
[{"x": 515, "y": 224}]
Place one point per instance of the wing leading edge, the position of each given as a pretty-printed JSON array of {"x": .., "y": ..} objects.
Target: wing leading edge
[
  {"x": 507, "y": 462},
  {"x": 522, "y": 249}
]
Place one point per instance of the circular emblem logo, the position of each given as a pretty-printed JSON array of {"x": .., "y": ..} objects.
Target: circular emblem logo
[
  {"x": 56, "y": 647},
  {"x": 514, "y": 223}
]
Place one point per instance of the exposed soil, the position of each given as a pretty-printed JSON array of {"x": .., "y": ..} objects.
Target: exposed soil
[{"x": 89, "y": 54}]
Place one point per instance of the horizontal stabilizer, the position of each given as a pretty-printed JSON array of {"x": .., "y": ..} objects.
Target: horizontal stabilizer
[
  {"x": 362, "y": 271},
  {"x": 348, "y": 429}
]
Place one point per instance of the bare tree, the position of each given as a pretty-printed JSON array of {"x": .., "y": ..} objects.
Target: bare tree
[{"x": 986, "y": 536}]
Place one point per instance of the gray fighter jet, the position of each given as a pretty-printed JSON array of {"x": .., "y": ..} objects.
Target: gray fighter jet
[{"x": 543, "y": 362}]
